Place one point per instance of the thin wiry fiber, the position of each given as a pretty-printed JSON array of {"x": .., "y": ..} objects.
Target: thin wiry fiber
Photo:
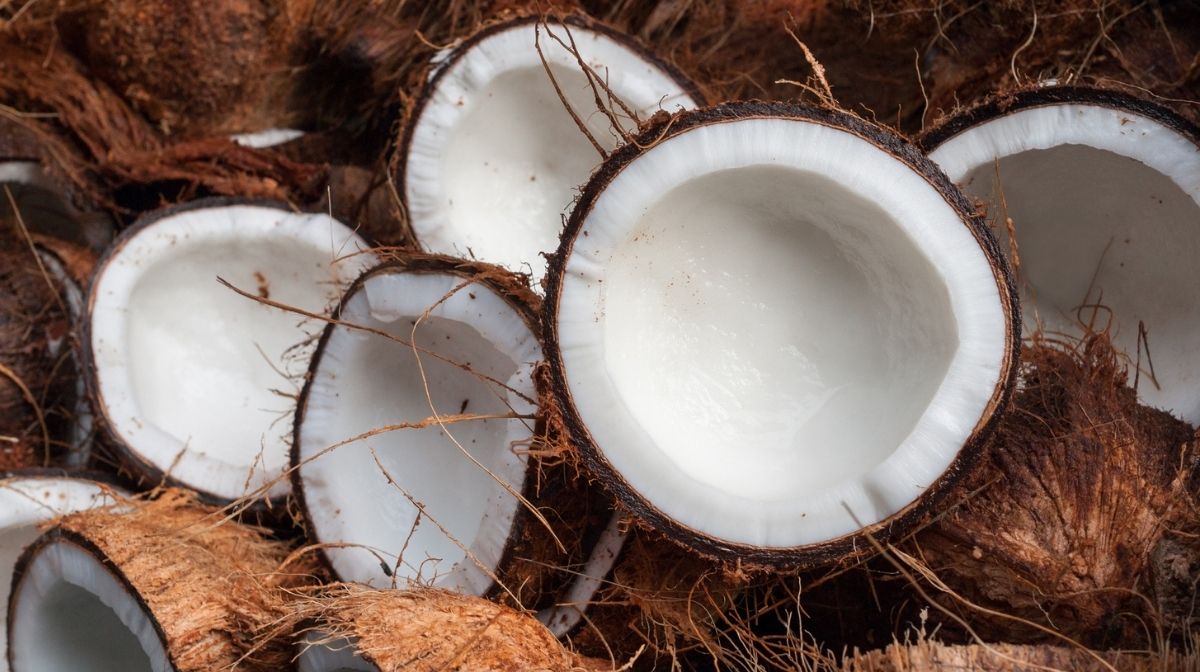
[{"x": 930, "y": 656}]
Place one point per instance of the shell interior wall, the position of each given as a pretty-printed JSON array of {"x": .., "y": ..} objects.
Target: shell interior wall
[
  {"x": 475, "y": 355},
  {"x": 193, "y": 378},
  {"x": 1105, "y": 203},
  {"x": 493, "y": 159},
  {"x": 337, "y": 656}
]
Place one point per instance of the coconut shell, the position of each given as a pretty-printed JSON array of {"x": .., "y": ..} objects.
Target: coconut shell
[
  {"x": 433, "y": 630},
  {"x": 209, "y": 585},
  {"x": 1059, "y": 525},
  {"x": 927, "y": 656}
]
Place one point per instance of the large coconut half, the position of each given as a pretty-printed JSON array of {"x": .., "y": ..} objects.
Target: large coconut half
[
  {"x": 1103, "y": 193},
  {"x": 409, "y": 462},
  {"x": 491, "y": 158},
  {"x": 191, "y": 380},
  {"x": 774, "y": 329},
  {"x": 28, "y": 499}
]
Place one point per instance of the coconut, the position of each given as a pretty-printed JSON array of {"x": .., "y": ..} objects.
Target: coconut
[
  {"x": 206, "y": 352},
  {"x": 929, "y": 656},
  {"x": 1097, "y": 194},
  {"x": 491, "y": 155},
  {"x": 567, "y": 615},
  {"x": 449, "y": 489},
  {"x": 850, "y": 392},
  {"x": 356, "y": 628},
  {"x": 157, "y": 586}
]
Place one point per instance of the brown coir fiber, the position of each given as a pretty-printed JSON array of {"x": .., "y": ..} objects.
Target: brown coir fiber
[{"x": 929, "y": 656}]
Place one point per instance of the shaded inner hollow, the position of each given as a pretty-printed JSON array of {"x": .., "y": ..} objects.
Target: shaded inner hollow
[{"x": 776, "y": 332}]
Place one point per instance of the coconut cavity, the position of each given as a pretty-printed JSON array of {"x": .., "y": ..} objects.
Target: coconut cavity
[
  {"x": 423, "y": 488},
  {"x": 204, "y": 352},
  {"x": 493, "y": 158},
  {"x": 775, "y": 331},
  {"x": 1105, "y": 205}
]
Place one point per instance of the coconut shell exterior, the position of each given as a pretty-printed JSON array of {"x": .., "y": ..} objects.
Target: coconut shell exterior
[
  {"x": 209, "y": 585},
  {"x": 928, "y": 656},
  {"x": 433, "y": 630},
  {"x": 1059, "y": 527},
  {"x": 744, "y": 556}
]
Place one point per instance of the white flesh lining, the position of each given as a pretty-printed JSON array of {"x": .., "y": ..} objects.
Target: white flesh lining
[
  {"x": 26, "y": 503},
  {"x": 1105, "y": 200},
  {"x": 71, "y": 613},
  {"x": 495, "y": 157},
  {"x": 364, "y": 382},
  {"x": 564, "y": 616},
  {"x": 730, "y": 311},
  {"x": 336, "y": 656},
  {"x": 199, "y": 389},
  {"x": 272, "y": 137}
]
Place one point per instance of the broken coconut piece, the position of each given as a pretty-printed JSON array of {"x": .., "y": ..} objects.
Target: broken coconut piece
[
  {"x": 567, "y": 614},
  {"x": 161, "y": 586},
  {"x": 408, "y": 463},
  {"x": 1103, "y": 192},
  {"x": 775, "y": 329},
  {"x": 191, "y": 380},
  {"x": 30, "y": 498},
  {"x": 491, "y": 159},
  {"x": 355, "y": 628}
]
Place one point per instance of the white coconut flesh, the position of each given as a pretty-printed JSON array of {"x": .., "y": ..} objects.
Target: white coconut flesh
[
  {"x": 271, "y": 137},
  {"x": 69, "y": 612},
  {"x": 1106, "y": 208},
  {"x": 27, "y": 502},
  {"x": 337, "y": 656},
  {"x": 776, "y": 332},
  {"x": 495, "y": 158},
  {"x": 362, "y": 382},
  {"x": 563, "y": 617},
  {"x": 192, "y": 376}
]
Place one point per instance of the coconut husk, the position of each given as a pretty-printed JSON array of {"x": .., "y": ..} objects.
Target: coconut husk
[
  {"x": 931, "y": 656},
  {"x": 211, "y": 585},
  {"x": 1058, "y": 528},
  {"x": 430, "y": 630}
]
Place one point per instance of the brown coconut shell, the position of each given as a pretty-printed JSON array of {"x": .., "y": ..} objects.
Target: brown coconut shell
[
  {"x": 929, "y": 656},
  {"x": 209, "y": 585},
  {"x": 539, "y": 559},
  {"x": 1056, "y": 531},
  {"x": 433, "y": 630}
]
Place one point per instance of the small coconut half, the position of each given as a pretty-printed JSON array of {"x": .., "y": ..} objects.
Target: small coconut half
[
  {"x": 774, "y": 329},
  {"x": 408, "y": 463},
  {"x": 27, "y": 500},
  {"x": 491, "y": 159},
  {"x": 191, "y": 380},
  {"x": 1103, "y": 193}
]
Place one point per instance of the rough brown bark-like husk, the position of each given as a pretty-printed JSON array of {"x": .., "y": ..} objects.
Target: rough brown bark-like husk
[
  {"x": 1059, "y": 525},
  {"x": 927, "y": 656},
  {"x": 209, "y": 585},
  {"x": 431, "y": 630}
]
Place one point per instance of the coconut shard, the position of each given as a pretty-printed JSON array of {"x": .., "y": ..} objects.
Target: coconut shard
[
  {"x": 775, "y": 329},
  {"x": 491, "y": 158},
  {"x": 1102, "y": 191},
  {"x": 440, "y": 470},
  {"x": 193, "y": 381}
]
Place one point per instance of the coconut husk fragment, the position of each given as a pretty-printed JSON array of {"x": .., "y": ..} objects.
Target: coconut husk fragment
[{"x": 930, "y": 656}]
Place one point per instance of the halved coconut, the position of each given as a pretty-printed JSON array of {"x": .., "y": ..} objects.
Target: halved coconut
[
  {"x": 409, "y": 462},
  {"x": 192, "y": 381},
  {"x": 162, "y": 586},
  {"x": 1103, "y": 193},
  {"x": 775, "y": 329},
  {"x": 491, "y": 159},
  {"x": 30, "y": 498},
  {"x": 567, "y": 614}
]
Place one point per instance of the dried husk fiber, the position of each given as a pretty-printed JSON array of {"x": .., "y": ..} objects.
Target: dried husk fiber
[{"x": 930, "y": 656}]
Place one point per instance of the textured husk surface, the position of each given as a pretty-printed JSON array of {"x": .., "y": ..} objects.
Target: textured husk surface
[
  {"x": 934, "y": 657},
  {"x": 430, "y": 630},
  {"x": 211, "y": 585}
]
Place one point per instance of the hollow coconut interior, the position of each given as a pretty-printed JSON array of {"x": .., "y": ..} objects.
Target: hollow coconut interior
[
  {"x": 25, "y": 504},
  {"x": 318, "y": 655},
  {"x": 563, "y": 617},
  {"x": 475, "y": 356},
  {"x": 495, "y": 158},
  {"x": 69, "y": 612},
  {"x": 1105, "y": 204},
  {"x": 776, "y": 332},
  {"x": 194, "y": 378},
  {"x": 44, "y": 210}
]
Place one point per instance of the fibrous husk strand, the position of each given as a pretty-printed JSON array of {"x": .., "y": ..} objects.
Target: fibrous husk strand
[{"x": 930, "y": 656}]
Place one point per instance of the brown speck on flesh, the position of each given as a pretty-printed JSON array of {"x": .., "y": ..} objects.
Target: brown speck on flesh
[
  {"x": 470, "y": 294},
  {"x": 463, "y": 409},
  {"x": 264, "y": 288}
]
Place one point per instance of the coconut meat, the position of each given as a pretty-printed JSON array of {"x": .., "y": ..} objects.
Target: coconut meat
[
  {"x": 469, "y": 514},
  {"x": 27, "y": 502},
  {"x": 1105, "y": 204},
  {"x": 194, "y": 377},
  {"x": 495, "y": 159},
  {"x": 776, "y": 332},
  {"x": 69, "y": 612}
]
